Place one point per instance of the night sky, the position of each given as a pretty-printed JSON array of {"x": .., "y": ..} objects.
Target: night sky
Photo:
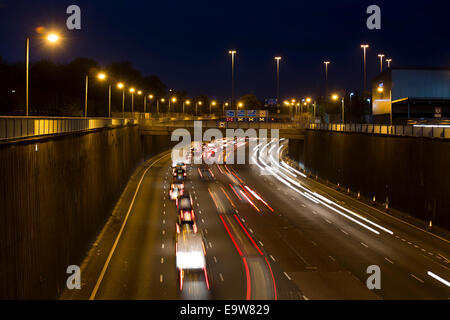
[{"x": 186, "y": 43}]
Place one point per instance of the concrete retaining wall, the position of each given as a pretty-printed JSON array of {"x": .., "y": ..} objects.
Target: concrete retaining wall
[
  {"x": 411, "y": 171},
  {"x": 55, "y": 195}
]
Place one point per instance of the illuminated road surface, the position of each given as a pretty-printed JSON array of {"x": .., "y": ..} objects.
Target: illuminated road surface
[{"x": 270, "y": 233}]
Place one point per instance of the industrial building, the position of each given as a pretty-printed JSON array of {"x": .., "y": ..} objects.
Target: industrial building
[{"x": 411, "y": 95}]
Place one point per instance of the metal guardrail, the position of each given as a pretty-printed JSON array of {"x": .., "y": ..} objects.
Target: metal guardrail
[
  {"x": 26, "y": 127},
  {"x": 219, "y": 124},
  {"x": 442, "y": 132}
]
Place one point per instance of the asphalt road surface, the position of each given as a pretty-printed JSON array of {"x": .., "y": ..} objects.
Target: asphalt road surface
[{"x": 269, "y": 233}]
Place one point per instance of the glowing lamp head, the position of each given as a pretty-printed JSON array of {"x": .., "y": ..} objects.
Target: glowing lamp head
[
  {"x": 132, "y": 90},
  {"x": 334, "y": 97},
  {"x": 120, "y": 85},
  {"x": 52, "y": 37},
  {"x": 139, "y": 92},
  {"x": 101, "y": 76},
  {"x": 150, "y": 96},
  {"x": 308, "y": 100}
]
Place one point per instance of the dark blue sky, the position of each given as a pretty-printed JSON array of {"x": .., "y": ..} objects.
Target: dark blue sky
[{"x": 186, "y": 43}]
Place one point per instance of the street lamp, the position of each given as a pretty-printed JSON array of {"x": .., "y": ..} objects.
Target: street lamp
[
  {"x": 120, "y": 85},
  {"x": 150, "y": 96},
  {"x": 132, "y": 90},
  {"x": 326, "y": 75},
  {"x": 51, "y": 38},
  {"x": 389, "y": 62},
  {"x": 213, "y": 103},
  {"x": 223, "y": 107},
  {"x": 198, "y": 103},
  {"x": 101, "y": 76},
  {"x": 173, "y": 99},
  {"x": 336, "y": 97},
  {"x": 364, "y": 47},
  {"x": 186, "y": 102},
  {"x": 157, "y": 104},
  {"x": 278, "y": 80},
  {"x": 232, "y": 52},
  {"x": 240, "y": 104},
  {"x": 381, "y": 61}
]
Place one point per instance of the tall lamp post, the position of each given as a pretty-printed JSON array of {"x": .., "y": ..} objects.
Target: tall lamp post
[
  {"x": 223, "y": 107},
  {"x": 326, "y": 76},
  {"x": 336, "y": 97},
  {"x": 389, "y": 63},
  {"x": 212, "y": 103},
  {"x": 52, "y": 38},
  {"x": 173, "y": 99},
  {"x": 381, "y": 61},
  {"x": 364, "y": 47},
  {"x": 278, "y": 82},
  {"x": 198, "y": 103},
  {"x": 150, "y": 96},
  {"x": 120, "y": 85},
  {"x": 132, "y": 90},
  {"x": 186, "y": 102},
  {"x": 157, "y": 104},
  {"x": 232, "y": 52}
]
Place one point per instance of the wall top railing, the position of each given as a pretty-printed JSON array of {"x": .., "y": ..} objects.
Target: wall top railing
[
  {"x": 427, "y": 131},
  {"x": 13, "y": 128}
]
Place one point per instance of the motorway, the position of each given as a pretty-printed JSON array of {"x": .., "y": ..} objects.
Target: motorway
[{"x": 270, "y": 233}]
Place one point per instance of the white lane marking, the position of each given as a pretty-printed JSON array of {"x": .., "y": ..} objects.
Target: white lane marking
[
  {"x": 314, "y": 243},
  {"x": 390, "y": 261},
  {"x": 287, "y": 276},
  {"x": 215, "y": 259},
  {"x": 365, "y": 245},
  {"x": 435, "y": 276},
  {"x": 200, "y": 211},
  {"x": 418, "y": 279},
  {"x": 305, "y": 297},
  {"x": 328, "y": 221},
  {"x": 271, "y": 257},
  {"x": 243, "y": 219},
  {"x": 164, "y": 212},
  {"x": 203, "y": 220},
  {"x": 164, "y": 232},
  {"x": 250, "y": 229},
  {"x": 221, "y": 277},
  {"x": 332, "y": 258},
  {"x": 261, "y": 243},
  {"x": 162, "y": 260},
  {"x": 210, "y": 245},
  {"x": 314, "y": 212},
  {"x": 344, "y": 232},
  {"x": 102, "y": 273},
  {"x": 164, "y": 221},
  {"x": 292, "y": 198},
  {"x": 206, "y": 231},
  {"x": 164, "y": 204},
  {"x": 161, "y": 278},
  {"x": 162, "y": 246}
]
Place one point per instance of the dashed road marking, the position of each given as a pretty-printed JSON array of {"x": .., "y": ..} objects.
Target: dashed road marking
[
  {"x": 261, "y": 243},
  {"x": 332, "y": 258},
  {"x": 271, "y": 257},
  {"x": 363, "y": 244},
  {"x": 314, "y": 243},
  {"x": 417, "y": 278},
  {"x": 161, "y": 279},
  {"x": 162, "y": 260},
  {"x": 344, "y": 232},
  {"x": 287, "y": 276},
  {"x": 390, "y": 261},
  {"x": 215, "y": 259},
  {"x": 221, "y": 277}
]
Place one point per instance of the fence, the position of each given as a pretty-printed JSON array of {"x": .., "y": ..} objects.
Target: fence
[
  {"x": 429, "y": 131},
  {"x": 25, "y": 127}
]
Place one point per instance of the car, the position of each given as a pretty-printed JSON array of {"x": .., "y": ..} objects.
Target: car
[
  {"x": 175, "y": 191},
  {"x": 205, "y": 173},
  {"x": 190, "y": 256},
  {"x": 179, "y": 171},
  {"x": 185, "y": 202}
]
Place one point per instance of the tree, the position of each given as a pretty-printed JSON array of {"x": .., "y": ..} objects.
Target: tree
[{"x": 251, "y": 102}]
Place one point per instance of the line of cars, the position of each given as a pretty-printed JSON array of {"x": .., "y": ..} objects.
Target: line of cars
[{"x": 190, "y": 249}]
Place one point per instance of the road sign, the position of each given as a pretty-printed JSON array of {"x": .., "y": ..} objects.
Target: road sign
[
  {"x": 240, "y": 119},
  {"x": 437, "y": 112},
  {"x": 231, "y": 113},
  {"x": 251, "y": 113},
  {"x": 262, "y": 113},
  {"x": 251, "y": 119},
  {"x": 241, "y": 113}
]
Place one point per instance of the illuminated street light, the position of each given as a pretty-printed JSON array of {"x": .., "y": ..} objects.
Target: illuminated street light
[
  {"x": 232, "y": 52},
  {"x": 132, "y": 90},
  {"x": 101, "y": 76},
  {"x": 380, "y": 89},
  {"x": 213, "y": 103},
  {"x": 381, "y": 61},
  {"x": 120, "y": 85},
  {"x": 199, "y": 103},
  {"x": 326, "y": 75},
  {"x": 139, "y": 92},
  {"x": 308, "y": 100},
  {"x": 365, "y": 47},
  {"x": 187, "y": 102},
  {"x": 52, "y": 38},
  {"x": 278, "y": 81},
  {"x": 334, "y": 97},
  {"x": 389, "y": 62}
]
